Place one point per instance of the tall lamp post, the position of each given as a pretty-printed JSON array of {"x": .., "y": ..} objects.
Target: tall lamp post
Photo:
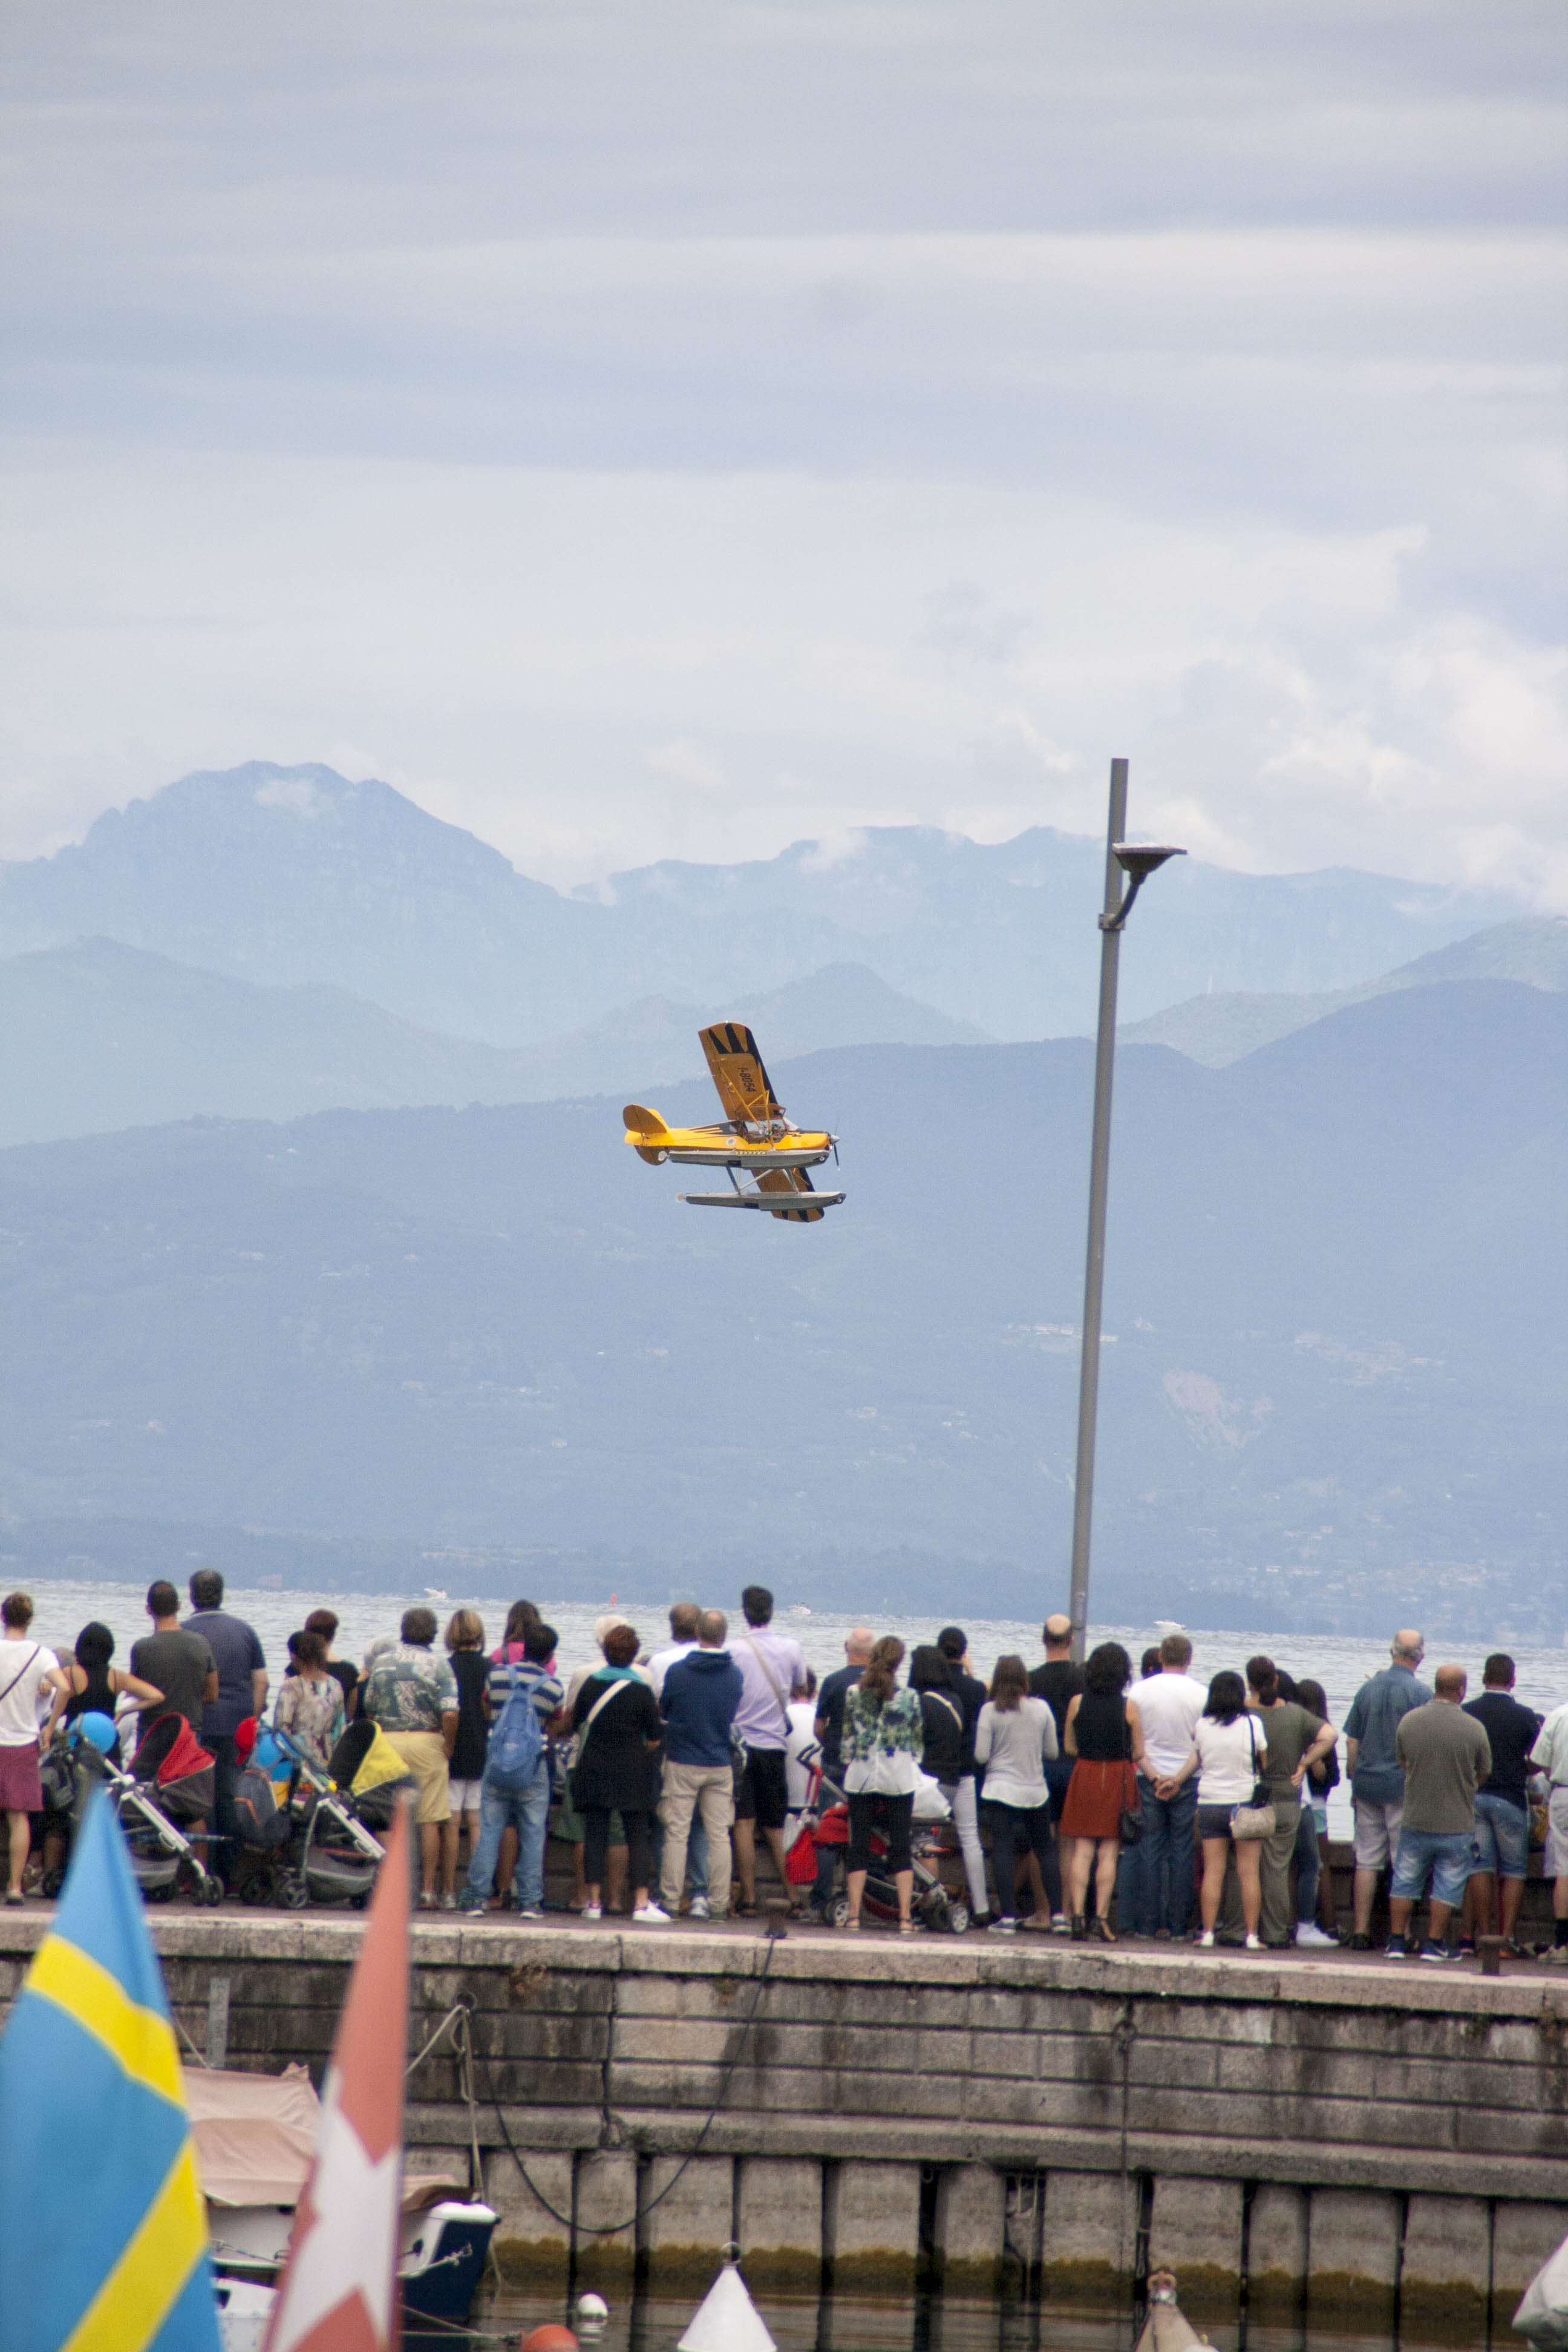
[{"x": 1124, "y": 862}]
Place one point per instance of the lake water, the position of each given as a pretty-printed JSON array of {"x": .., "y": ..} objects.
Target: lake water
[
  {"x": 911, "y": 2323},
  {"x": 1341, "y": 1665}
]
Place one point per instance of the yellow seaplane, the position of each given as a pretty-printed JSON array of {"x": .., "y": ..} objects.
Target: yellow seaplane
[{"x": 755, "y": 1138}]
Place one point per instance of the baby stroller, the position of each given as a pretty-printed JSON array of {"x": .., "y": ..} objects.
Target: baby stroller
[
  {"x": 826, "y": 1824},
  {"x": 169, "y": 1781},
  {"x": 333, "y": 1858}
]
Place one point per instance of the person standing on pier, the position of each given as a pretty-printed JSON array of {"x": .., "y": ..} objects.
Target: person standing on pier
[
  {"x": 1169, "y": 1702},
  {"x": 1447, "y": 1755},
  {"x": 829, "y": 1723},
  {"x": 1501, "y": 1860},
  {"x": 1376, "y": 1774},
  {"x": 701, "y": 1691},
  {"x": 412, "y": 1693},
  {"x": 1550, "y": 1755},
  {"x": 884, "y": 1741},
  {"x": 773, "y": 1668},
  {"x": 241, "y": 1692},
  {"x": 1297, "y": 1739}
]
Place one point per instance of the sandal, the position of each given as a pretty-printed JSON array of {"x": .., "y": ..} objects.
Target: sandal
[
  {"x": 852, "y": 1926},
  {"x": 907, "y": 1927},
  {"x": 1080, "y": 1930},
  {"x": 1099, "y": 1928}
]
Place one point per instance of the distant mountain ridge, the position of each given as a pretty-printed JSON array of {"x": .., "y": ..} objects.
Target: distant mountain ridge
[
  {"x": 1219, "y": 1030},
  {"x": 103, "y": 1036},
  {"x": 295, "y": 876}
]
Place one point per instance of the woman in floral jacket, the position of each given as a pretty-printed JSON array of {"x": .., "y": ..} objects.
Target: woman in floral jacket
[{"x": 884, "y": 1741}]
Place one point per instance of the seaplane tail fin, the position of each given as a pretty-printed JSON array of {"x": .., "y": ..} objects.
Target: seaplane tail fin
[
  {"x": 744, "y": 1088},
  {"x": 644, "y": 1131}
]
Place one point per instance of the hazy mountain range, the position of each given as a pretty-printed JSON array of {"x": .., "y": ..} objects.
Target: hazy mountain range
[
  {"x": 103, "y": 1036},
  {"x": 1333, "y": 1396},
  {"x": 1218, "y": 1029},
  {"x": 293, "y": 876}
]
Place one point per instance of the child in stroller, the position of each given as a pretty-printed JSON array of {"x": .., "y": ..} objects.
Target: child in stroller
[{"x": 819, "y": 1855}]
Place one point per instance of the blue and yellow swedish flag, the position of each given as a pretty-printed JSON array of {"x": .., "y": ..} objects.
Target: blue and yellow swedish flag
[{"x": 102, "y": 2225}]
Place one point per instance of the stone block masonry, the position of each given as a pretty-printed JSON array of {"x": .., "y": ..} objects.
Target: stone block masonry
[{"x": 1370, "y": 2145}]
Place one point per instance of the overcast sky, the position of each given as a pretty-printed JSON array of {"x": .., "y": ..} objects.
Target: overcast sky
[{"x": 651, "y": 427}]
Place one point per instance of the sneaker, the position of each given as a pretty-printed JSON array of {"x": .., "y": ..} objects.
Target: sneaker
[
  {"x": 1431, "y": 1951},
  {"x": 426, "y": 1902},
  {"x": 1254, "y": 1944},
  {"x": 591, "y": 1911},
  {"x": 448, "y": 1902},
  {"x": 476, "y": 1910},
  {"x": 651, "y": 1915},
  {"x": 1060, "y": 1924},
  {"x": 1466, "y": 1948},
  {"x": 1206, "y": 1941},
  {"x": 699, "y": 1910},
  {"x": 1557, "y": 1958},
  {"x": 1359, "y": 1942},
  {"x": 1396, "y": 1949},
  {"x": 530, "y": 1911},
  {"x": 1162, "y": 1936},
  {"x": 1005, "y": 1927},
  {"x": 1316, "y": 1938}
]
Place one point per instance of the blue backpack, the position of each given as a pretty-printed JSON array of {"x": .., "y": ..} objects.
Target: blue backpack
[{"x": 517, "y": 1742}]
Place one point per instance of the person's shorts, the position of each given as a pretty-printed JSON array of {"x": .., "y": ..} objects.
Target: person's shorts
[
  {"x": 1502, "y": 1848},
  {"x": 1556, "y": 1862},
  {"x": 425, "y": 1754},
  {"x": 762, "y": 1795},
  {"x": 464, "y": 1795},
  {"x": 1376, "y": 1831},
  {"x": 1212, "y": 1820},
  {"x": 1444, "y": 1854}
]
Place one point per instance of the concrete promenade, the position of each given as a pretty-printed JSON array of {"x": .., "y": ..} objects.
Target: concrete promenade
[{"x": 1359, "y": 2140}]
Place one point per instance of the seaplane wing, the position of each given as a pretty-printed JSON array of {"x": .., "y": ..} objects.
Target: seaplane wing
[{"x": 744, "y": 1088}]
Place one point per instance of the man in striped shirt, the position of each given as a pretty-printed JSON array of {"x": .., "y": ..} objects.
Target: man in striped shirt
[{"x": 527, "y": 1811}]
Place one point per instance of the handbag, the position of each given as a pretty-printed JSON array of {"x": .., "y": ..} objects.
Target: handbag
[{"x": 1255, "y": 1819}]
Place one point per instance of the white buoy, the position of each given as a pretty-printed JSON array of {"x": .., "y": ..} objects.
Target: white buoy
[{"x": 727, "y": 2320}]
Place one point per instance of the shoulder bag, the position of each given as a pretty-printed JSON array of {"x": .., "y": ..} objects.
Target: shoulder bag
[
  {"x": 1257, "y": 1819},
  {"x": 34, "y": 1649},
  {"x": 772, "y": 1680},
  {"x": 580, "y": 1741}
]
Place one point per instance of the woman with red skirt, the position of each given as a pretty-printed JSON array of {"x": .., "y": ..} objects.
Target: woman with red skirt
[{"x": 1105, "y": 1734}]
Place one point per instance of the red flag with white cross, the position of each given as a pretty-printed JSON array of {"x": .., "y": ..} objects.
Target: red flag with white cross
[{"x": 339, "y": 2291}]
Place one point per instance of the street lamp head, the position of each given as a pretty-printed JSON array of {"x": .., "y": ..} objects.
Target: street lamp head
[
  {"x": 1139, "y": 860},
  {"x": 1136, "y": 860}
]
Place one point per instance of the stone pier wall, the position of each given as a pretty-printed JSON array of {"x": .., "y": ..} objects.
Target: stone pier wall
[{"x": 1356, "y": 2142}]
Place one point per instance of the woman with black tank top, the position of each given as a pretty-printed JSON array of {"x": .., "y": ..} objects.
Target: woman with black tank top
[
  {"x": 93, "y": 1686},
  {"x": 1105, "y": 1734}
]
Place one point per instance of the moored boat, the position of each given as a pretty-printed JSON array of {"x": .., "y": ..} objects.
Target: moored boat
[{"x": 256, "y": 2137}]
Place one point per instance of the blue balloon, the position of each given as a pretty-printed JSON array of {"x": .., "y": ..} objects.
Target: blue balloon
[{"x": 99, "y": 1729}]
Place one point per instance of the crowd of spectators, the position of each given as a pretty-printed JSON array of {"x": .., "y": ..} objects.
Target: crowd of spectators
[{"x": 1082, "y": 1800}]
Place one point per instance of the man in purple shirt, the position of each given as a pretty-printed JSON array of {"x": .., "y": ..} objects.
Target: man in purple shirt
[{"x": 773, "y": 1671}]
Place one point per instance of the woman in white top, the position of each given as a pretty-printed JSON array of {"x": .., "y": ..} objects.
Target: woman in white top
[
  {"x": 26, "y": 1669},
  {"x": 1230, "y": 1754},
  {"x": 1012, "y": 1737}
]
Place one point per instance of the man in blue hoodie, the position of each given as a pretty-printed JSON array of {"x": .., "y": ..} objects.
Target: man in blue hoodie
[{"x": 701, "y": 1693}]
